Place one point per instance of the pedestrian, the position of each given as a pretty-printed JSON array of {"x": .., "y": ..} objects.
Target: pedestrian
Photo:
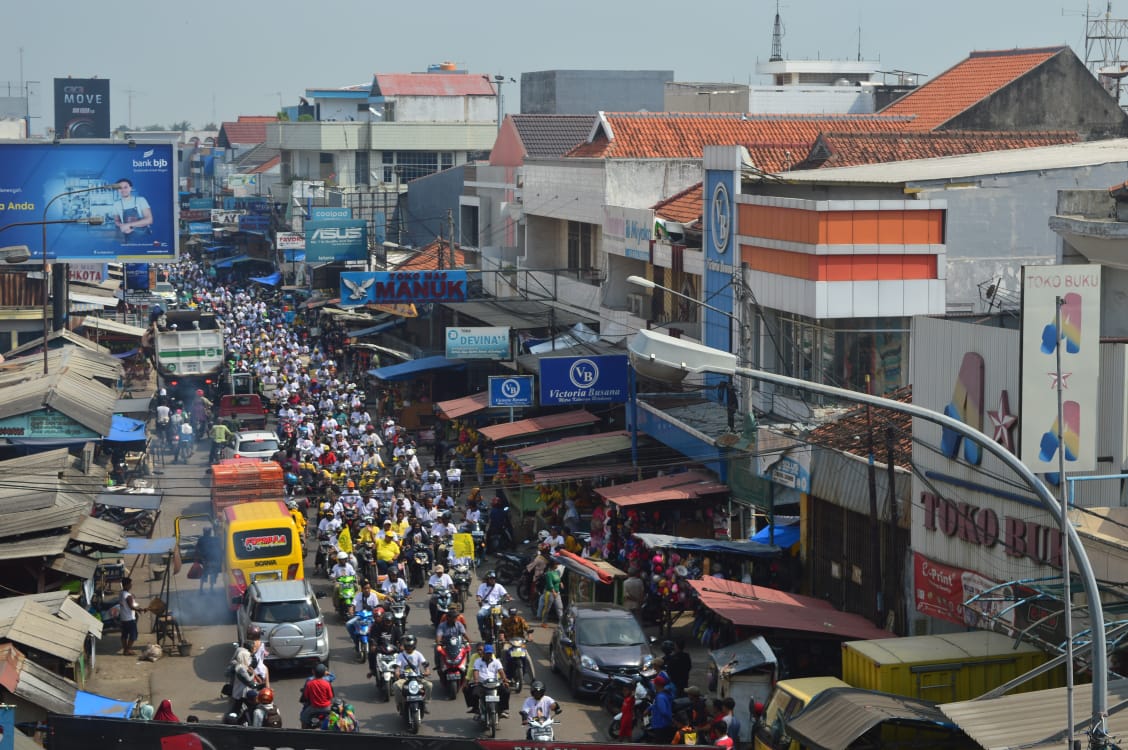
[
  {"x": 721, "y": 735},
  {"x": 164, "y": 712},
  {"x": 678, "y": 666},
  {"x": 128, "y": 617},
  {"x": 552, "y": 589},
  {"x": 209, "y": 553},
  {"x": 634, "y": 592}
]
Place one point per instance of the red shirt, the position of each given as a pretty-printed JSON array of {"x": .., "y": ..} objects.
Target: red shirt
[
  {"x": 318, "y": 693},
  {"x": 725, "y": 741},
  {"x": 626, "y": 723}
]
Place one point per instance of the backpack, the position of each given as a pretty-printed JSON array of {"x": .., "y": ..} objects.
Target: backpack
[{"x": 272, "y": 718}]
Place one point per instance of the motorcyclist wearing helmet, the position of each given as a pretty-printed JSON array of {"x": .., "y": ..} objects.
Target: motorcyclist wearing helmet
[
  {"x": 257, "y": 647},
  {"x": 489, "y": 594},
  {"x": 342, "y": 568},
  {"x": 411, "y": 658},
  {"x": 486, "y": 667},
  {"x": 265, "y": 714},
  {"x": 537, "y": 706},
  {"x": 298, "y": 516}
]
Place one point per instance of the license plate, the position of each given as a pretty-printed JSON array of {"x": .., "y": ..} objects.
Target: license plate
[
  {"x": 414, "y": 698},
  {"x": 453, "y": 676},
  {"x": 493, "y": 698},
  {"x": 517, "y": 653}
]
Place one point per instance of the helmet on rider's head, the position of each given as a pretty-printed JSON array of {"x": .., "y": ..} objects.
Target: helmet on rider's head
[
  {"x": 408, "y": 642},
  {"x": 199, "y": 392},
  {"x": 537, "y": 689},
  {"x": 512, "y": 612},
  {"x": 543, "y": 535},
  {"x": 266, "y": 695},
  {"x": 668, "y": 647},
  {"x": 342, "y": 556},
  {"x": 254, "y": 632},
  {"x": 491, "y": 574}
]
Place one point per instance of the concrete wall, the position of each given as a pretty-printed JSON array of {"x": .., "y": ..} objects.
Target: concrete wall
[
  {"x": 643, "y": 182},
  {"x": 424, "y": 208},
  {"x": 344, "y": 110},
  {"x": 445, "y": 108},
  {"x": 1061, "y": 94},
  {"x": 774, "y": 100},
  {"x": 569, "y": 189},
  {"x": 573, "y": 92}
]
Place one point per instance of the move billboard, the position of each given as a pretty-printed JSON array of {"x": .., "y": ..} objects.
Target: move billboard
[
  {"x": 82, "y": 108},
  {"x": 336, "y": 240},
  {"x": 130, "y": 187}
]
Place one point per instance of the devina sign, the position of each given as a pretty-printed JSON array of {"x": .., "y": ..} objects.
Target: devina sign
[
  {"x": 584, "y": 380},
  {"x": 401, "y": 287},
  {"x": 477, "y": 343},
  {"x": 1076, "y": 340}
]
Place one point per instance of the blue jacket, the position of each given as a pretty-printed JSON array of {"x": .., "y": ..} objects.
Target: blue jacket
[{"x": 662, "y": 712}]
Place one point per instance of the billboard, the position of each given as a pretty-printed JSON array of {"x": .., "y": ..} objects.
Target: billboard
[
  {"x": 628, "y": 231},
  {"x": 136, "y": 276},
  {"x": 329, "y": 213},
  {"x": 477, "y": 343},
  {"x": 400, "y": 287},
  {"x": 132, "y": 188},
  {"x": 336, "y": 240},
  {"x": 289, "y": 240},
  {"x": 513, "y": 390},
  {"x": 584, "y": 380},
  {"x": 1078, "y": 288},
  {"x": 82, "y": 108}
]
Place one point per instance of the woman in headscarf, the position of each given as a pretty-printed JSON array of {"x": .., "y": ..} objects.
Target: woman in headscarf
[{"x": 164, "y": 712}]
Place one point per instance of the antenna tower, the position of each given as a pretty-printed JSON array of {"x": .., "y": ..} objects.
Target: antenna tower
[
  {"x": 1104, "y": 37},
  {"x": 777, "y": 38}
]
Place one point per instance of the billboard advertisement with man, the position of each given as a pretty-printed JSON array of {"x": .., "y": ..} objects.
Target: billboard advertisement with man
[
  {"x": 97, "y": 201},
  {"x": 82, "y": 108}
]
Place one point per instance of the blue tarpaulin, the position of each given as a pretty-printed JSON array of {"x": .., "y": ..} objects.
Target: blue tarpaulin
[
  {"x": 407, "y": 370},
  {"x": 139, "y": 545},
  {"x": 216, "y": 248},
  {"x": 125, "y": 430},
  {"x": 295, "y": 256},
  {"x": 271, "y": 280},
  {"x": 228, "y": 262},
  {"x": 90, "y": 704},
  {"x": 126, "y": 355},
  {"x": 711, "y": 546},
  {"x": 785, "y": 535}
]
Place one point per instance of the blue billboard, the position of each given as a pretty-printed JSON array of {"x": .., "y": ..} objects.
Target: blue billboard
[
  {"x": 324, "y": 213},
  {"x": 400, "y": 287},
  {"x": 584, "y": 380},
  {"x": 131, "y": 188},
  {"x": 336, "y": 240},
  {"x": 136, "y": 275},
  {"x": 513, "y": 390},
  {"x": 477, "y": 343}
]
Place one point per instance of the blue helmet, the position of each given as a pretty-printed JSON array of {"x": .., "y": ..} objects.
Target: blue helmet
[{"x": 489, "y": 648}]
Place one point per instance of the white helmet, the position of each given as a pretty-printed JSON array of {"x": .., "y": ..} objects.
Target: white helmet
[{"x": 342, "y": 556}]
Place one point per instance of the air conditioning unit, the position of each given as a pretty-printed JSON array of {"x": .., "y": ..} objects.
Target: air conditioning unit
[{"x": 636, "y": 303}]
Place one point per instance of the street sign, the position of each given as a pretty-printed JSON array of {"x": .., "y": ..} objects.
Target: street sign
[{"x": 511, "y": 390}]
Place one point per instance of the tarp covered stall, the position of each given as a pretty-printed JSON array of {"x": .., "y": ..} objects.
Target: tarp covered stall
[
  {"x": 784, "y": 536},
  {"x": 408, "y": 370},
  {"x": 126, "y": 430},
  {"x": 593, "y": 580},
  {"x": 708, "y": 546},
  {"x": 91, "y": 704},
  {"x": 744, "y": 671},
  {"x": 269, "y": 280},
  {"x": 456, "y": 408},
  {"x": 686, "y": 485},
  {"x": 524, "y": 428},
  {"x": 838, "y": 717}
]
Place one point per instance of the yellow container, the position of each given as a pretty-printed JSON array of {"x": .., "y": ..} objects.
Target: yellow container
[{"x": 944, "y": 668}]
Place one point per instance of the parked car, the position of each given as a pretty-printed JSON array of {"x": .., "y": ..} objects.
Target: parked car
[
  {"x": 292, "y": 626},
  {"x": 257, "y": 444},
  {"x": 595, "y": 641}
]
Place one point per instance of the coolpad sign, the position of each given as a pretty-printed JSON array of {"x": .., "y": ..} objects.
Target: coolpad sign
[
  {"x": 336, "y": 240},
  {"x": 583, "y": 380}
]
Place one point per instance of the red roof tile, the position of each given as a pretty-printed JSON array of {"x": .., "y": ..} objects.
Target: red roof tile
[
  {"x": 427, "y": 259},
  {"x": 838, "y": 149},
  {"x": 247, "y": 130},
  {"x": 683, "y": 207},
  {"x": 966, "y": 83},
  {"x": 850, "y": 432},
  {"x": 775, "y": 142},
  {"x": 431, "y": 84}
]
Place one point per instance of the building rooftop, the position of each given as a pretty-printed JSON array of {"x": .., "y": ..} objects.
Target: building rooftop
[
  {"x": 248, "y": 130},
  {"x": 845, "y": 149},
  {"x": 431, "y": 84},
  {"x": 683, "y": 207},
  {"x": 551, "y": 136}
]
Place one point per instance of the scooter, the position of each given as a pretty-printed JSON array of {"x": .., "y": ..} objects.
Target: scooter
[
  {"x": 413, "y": 699},
  {"x": 440, "y": 601},
  {"x": 541, "y": 728},
  {"x": 362, "y": 624},
  {"x": 385, "y": 667},
  {"x": 346, "y": 593},
  {"x": 488, "y": 707},
  {"x": 396, "y": 608},
  {"x": 643, "y": 700},
  {"x": 420, "y": 567},
  {"x": 453, "y": 655},
  {"x": 518, "y": 665},
  {"x": 460, "y": 574}
]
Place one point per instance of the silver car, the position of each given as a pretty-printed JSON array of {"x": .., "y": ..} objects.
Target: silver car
[{"x": 292, "y": 626}]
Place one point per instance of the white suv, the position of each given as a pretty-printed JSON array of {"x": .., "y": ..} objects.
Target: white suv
[
  {"x": 292, "y": 626},
  {"x": 258, "y": 444}
]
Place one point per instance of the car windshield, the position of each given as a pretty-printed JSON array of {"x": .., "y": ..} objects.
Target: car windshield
[
  {"x": 609, "y": 631},
  {"x": 275, "y": 612},
  {"x": 164, "y": 286},
  {"x": 258, "y": 446}
]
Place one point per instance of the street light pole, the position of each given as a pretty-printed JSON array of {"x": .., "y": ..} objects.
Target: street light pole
[{"x": 657, "y": 354}]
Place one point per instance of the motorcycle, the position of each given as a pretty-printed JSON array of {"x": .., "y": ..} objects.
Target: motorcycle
[
  {"x": 366, "y": 561},
  {"x": 385, "y": 667},
  {"x": 460, "y": 574},
  {"x": 518, "y": 664},
  {"x": 510, "y": 567},
  {"x": 453, "y": 655},
  {"x": 321, "y": 715},
  {"x": 412, "y": 709},
  {"x": 478, "y": 534},
  {"x": 364, "y": 619},
  {"x": 346, "y": 593},
  {"x": 497, "y": 615},
  {"x": 641, "y": 722},
  {"x": 396, "y": 609},
  {"x": 541, "y": 728},
  {"x": 420, "y": 567},
  {"x": 441, "y": 600},
  {"x": 325, "y": 553},
  {"x": 611, "y": 695},
  {"x": 138, "y": 521},
  {"x": 488, "y": 707}
]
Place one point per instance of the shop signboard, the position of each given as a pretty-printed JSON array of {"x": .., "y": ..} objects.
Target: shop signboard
[
  {"x": 201, "y": 204},
  {"x": 584, "y": 380},
  {"x": 330, "y": 213},
  {"x": 336, "y": 240},
  {"x": 91, "y": 273},
  {"x": 44, "y": 424},
  {"x": 254, "y": 223},
  {"x": 121, "y": 183},
  {"x": 137, "y": 276},
  {"x": 511, "y": 390},
  {"x": 628, "y": 231},
  {"x": 290, "y": 241},
  {"x": 400, "y": 287},
  {"x": 199, "y": 227},
  {"x": 477, "y": 343}
]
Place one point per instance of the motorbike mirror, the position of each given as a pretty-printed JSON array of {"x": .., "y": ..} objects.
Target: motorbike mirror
[
  {"x": 566, "y": 642},
  {"x": 652, "y": 640}
]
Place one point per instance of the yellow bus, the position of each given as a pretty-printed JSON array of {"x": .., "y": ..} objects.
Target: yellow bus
[{"x": 260, "y": 542}]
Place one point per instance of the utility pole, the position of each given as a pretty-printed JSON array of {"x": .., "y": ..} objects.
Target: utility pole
[
  {"x": 450, "y": 233},
  {"x": 498, "y": 81}
]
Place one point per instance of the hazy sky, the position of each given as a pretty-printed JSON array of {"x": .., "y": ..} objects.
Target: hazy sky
[{"x": 207, "y": 60}]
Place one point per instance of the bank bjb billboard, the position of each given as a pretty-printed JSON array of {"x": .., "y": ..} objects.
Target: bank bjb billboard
[
  {"x": 82, "y": 108},
  {"x": 103, "y": 201}
]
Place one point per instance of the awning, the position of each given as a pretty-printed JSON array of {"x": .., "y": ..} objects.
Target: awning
[
  {"x": 533, "y": 425},
  {"x": 531, "y": 362},
  {"x": 112, "y": 326},
  {"x": 128, "y": 354},
  {"x": 518, "y": 314},
  {"x": 461, "y": 407},
  {"x": 710, "y": 546},
  {"x": 387, "y": 325},
  {"x": 408, "y": 370},
  {"x": 837, "y": 717},
  {"x": 313, "y": 304},
  {"x": 569, "y": 473},
  {"x": 593, "y": 570},
  {"x": 216, "y": 248},
  {"x": 577, "y": 335},
  {"x": 132, "y": 406},
  {"x": 570, "y": 449},
  {"x": 686, "y": 485},
  {"x": 228, "y": 262},
  {"x": 142, "y": 546},
  {"x": 785, "y": 535},
  {"x": 36, "y": 684},
  {"x": 743, "y": 656},
  {"x": 270, "y": 280},
  {"x": 147, "y": 499},
  {"x": 765, "y": 608},
  {"x": 91, "y": 704},
  {"x": 96, "y": 300},
  {"x": 125, "y": 430}
]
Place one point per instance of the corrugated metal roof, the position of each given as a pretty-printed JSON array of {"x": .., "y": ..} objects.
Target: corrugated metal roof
[
  {"x": 836, "y": 717},
  {"x": 602, "y": 472},
  {"x": 973, "y": 644},
  {"x": 519, "y": 314},
  {"x": 570, "y": 449},
  {"x": 34, "y": 683},
  {"x": 37, "y": 547},
  {"x": 431, "y": 84},
  {"x": 69, "y": 337},
  {"x": 531, "y": 362},
  {"x": 62, "y": 605},
  {"x": 83, "y": 399},
  {"x": 1033, "y": 720},
  {"x": 74, "y": 564},
  {"x": 85, "y": 362},
  {"x": 28, "y": 623},
  {"x": 1090, "y": 153},
  {"x": 686, "y": 485},
  {"x": 533, "y": 425},
  {"x": 111, "y": 326},
  {"x": 98, "y": 533},
  {"x": 461, "y": 407}
]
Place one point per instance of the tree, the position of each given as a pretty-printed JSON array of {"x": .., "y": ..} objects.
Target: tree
[
  {"x": 153, "y": 127},
  {"x": 182, "y": 126},
  {"x": 210, "y": 126},
  {"x": 283, "y": 115}
]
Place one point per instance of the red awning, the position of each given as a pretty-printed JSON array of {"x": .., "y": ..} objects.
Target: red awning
[
  {"x": 770, "y": 609},
  {"x": 688, "y": 485},
  {"x": 533, "y": 425},
  {"x": 461, "y": 407},
  {"x": 597, "y": 570}
]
